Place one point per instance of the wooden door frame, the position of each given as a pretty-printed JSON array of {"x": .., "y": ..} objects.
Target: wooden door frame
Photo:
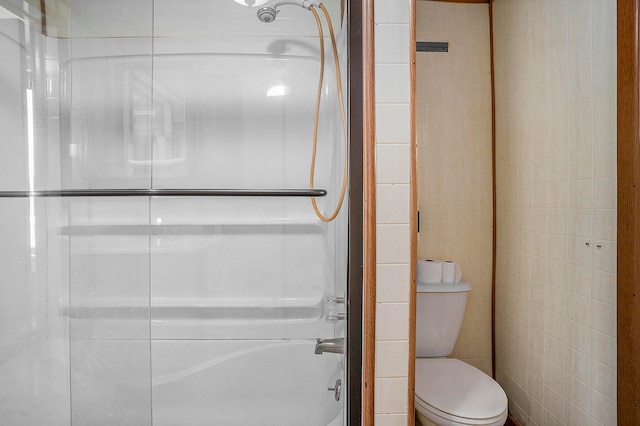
[
  {"x": 368, "y": 202},
  {"x": 628, "y": 250}
]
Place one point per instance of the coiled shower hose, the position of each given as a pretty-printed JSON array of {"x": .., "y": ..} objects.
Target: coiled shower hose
[{"x": 317, "y": 114}]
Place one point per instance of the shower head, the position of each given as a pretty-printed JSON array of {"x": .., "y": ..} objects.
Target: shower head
[
  {"x": 269, "y": 11},
  {"x": 267, "y": 14}
]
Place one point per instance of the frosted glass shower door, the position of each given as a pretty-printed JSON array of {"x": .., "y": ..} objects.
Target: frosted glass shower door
[
  {"x": 108, "y": 310},
  {"x": 162, "y": 262},
  {"x": 239, "y": 285},
  {"x": 237, "y": 302},
  {"x": 106, "y": 131},
  {"x": 34, "y": 345}
]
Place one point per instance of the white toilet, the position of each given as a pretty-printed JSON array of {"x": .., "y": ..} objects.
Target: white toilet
[{"x": 448, "y": 391}]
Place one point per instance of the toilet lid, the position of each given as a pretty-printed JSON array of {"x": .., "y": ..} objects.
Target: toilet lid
[{"x": 458, "y": 389}]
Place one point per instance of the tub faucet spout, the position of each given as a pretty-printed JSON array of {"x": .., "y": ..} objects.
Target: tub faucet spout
[{"x": 335, "y": 346}]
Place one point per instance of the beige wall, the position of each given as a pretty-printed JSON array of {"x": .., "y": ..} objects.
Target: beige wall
[
  {"x": 393, "y": 257},
  {"x": 454, "y": 158},
  {"x": 556, "y": 185}
]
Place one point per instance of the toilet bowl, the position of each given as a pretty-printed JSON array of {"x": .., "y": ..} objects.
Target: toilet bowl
[{"x": 450, "y": 392}]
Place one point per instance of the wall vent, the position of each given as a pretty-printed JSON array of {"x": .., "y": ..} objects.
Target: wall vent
[{"x": 432, "y": 46}]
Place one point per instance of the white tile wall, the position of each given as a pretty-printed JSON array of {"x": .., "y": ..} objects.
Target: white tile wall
[
  {"x": 391, "y": 395},
  {"x": 393, "y": 162},
  {"x": 393, "y": 134},
  {"x": 555, "y": 74},
  {"x": 388, "y": 197},
  {"x": 387, "y": 278},
  {"x": 389, "y": 88},
  {"x": 391, "y": 419}
]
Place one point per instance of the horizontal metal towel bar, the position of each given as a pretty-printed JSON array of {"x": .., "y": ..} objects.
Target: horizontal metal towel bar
[{"x": 167, "y": 193}]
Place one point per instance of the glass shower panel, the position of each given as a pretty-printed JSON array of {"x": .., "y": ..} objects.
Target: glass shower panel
[
  {"x": 258, "y": 269},
  {"x": 34, "y": 357},
  {"x": 240, "y": 284},
  {"x": 241, "y": 120},
  {"x": 14, "y": 172},
  {"x": 34, "y": 349},
  {"x": 108, "y": 115},
  {"x": 108, "y": 310},
  {"x": 106, "y": 92},
  {"x": 153, "y": 308},
  {"x": 106, "y": 135},
  {"x": 24, "y": 110},
  {"x": 238, "y": 297}
]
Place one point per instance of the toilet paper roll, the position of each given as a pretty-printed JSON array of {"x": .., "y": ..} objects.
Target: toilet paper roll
[
  {"x": 448, "y": 271},
  {"x": 429, "y": 271}
]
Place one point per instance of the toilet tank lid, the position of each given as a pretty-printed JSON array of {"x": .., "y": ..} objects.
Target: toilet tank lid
[{"x": 443, "y": 287}]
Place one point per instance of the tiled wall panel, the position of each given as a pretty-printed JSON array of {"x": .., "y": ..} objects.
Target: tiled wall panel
[
  {"x": 393, "y": 134},
  {"x": 555, "y": 73}
]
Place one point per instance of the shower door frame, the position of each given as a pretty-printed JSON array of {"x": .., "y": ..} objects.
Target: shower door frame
[{"x": 355, "y": 280}]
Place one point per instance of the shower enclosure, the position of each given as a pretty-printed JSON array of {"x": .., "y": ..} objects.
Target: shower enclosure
[{"x": 161, "y": 260}]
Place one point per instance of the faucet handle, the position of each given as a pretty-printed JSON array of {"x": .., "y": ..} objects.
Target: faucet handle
[
  {"x": 337, "y": 389},
  {"x": 331, "y": 309}
]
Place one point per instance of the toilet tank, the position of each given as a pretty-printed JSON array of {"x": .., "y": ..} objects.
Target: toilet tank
[{"x": 440, "y": 311}]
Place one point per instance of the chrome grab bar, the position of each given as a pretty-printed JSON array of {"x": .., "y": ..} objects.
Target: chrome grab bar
[{"x": 334, "y": 346}]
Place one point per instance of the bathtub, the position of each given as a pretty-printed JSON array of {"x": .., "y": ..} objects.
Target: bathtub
[
  {"x": 281, "y": 383},
  {"x": 205, "y": 382}
]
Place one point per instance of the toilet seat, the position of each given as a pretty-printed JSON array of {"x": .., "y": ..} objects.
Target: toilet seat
[{"x": 452, "y": 392}]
